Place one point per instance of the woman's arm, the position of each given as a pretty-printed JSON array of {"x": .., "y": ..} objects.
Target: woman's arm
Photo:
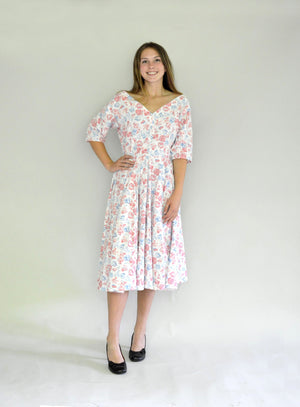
[
  {"x": 179, "y": 168},
  {"x": 173, "y": 203},
  {"x": 123, "y": 163}
]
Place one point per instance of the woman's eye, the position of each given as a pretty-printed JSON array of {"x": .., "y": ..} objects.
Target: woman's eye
[{"x": 145, "y": 61}]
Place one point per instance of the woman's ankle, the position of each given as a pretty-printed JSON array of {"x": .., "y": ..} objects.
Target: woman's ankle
[{"x": 112, "y": 339}]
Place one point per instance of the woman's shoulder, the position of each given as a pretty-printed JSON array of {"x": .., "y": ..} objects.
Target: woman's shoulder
[
  {"x": 117, "y": 97},
  {"x": 121, "y": 92}
]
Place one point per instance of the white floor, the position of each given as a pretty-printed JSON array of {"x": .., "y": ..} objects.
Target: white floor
[{"x": 45, "y": 362}]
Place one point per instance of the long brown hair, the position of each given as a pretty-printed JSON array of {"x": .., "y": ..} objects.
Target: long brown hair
[{"x": 168, "y": 78}]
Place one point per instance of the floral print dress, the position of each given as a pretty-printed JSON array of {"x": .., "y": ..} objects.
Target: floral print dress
[{"x": 138, "y": 250}]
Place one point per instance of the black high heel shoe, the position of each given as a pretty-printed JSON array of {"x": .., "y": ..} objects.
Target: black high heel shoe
[
  {"x": 118, "y": 368},
  {"x": 137, "y": 356}
]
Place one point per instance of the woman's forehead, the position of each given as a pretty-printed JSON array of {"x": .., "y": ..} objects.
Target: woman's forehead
[{"x": 149, "y": 53}]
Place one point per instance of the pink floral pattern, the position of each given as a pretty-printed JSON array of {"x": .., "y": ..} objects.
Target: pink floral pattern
[{"x": 138, "y": 250}]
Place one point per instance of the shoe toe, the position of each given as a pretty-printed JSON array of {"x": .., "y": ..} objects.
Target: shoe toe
[
  {"x": 117, "y": 368},
  {"x": 137, "y": 356}
]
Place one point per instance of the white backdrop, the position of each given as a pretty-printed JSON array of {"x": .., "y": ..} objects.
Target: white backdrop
[{"x": 238, "y": 64}]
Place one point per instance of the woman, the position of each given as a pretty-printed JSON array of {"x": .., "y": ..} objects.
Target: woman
[{"x": 142, "y": 244}]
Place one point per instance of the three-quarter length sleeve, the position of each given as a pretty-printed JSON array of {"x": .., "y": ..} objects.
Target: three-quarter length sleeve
[
  {"x": 183, "y": 144},
  {"x": 101, "y": 123}
]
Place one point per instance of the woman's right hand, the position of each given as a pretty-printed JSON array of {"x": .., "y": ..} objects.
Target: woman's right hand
[{"x": 123, "y": 163}]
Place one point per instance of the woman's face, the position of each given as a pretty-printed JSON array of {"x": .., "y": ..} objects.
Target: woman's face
[{"x": 151, "y": 66}]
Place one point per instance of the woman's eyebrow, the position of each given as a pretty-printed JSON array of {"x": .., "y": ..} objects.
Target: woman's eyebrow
[{"x": 153, "y": 57}]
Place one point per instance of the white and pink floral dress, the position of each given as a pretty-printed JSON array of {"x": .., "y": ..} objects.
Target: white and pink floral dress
[{"x": 138, "y": 250}]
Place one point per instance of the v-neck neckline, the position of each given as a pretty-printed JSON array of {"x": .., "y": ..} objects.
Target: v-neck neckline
[{"x": 149, "y": 111}]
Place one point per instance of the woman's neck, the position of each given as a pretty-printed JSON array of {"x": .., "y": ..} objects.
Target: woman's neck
[{"x": 154, "y": 90}]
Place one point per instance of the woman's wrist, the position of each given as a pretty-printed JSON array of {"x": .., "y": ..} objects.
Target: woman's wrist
[
  {"x": 108, "y": 165},
  {"x": 178, "y": 191}
]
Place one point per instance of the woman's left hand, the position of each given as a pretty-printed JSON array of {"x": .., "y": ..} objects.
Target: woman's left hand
[{"x": 171, "y": 207}]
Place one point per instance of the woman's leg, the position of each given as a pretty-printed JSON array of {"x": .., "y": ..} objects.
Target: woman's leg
[
  {"x": 116, "y": 304},
  {"x": 144, "y": 302}
]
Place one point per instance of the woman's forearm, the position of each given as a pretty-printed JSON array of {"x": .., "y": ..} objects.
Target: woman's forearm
[
  {"x": 179, "y": 168},
  {"x": 125, "y": 162},
  {"x": 101, "y": 152},
  {"x": 173, "y": 203}
]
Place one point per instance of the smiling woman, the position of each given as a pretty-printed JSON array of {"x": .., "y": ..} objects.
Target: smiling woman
[
  {"x": 142, "y": 245},
  {"x": 151, "y": 65}
]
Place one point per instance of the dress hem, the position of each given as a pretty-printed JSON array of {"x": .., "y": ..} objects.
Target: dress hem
[{"x": 143, "y": 288}]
